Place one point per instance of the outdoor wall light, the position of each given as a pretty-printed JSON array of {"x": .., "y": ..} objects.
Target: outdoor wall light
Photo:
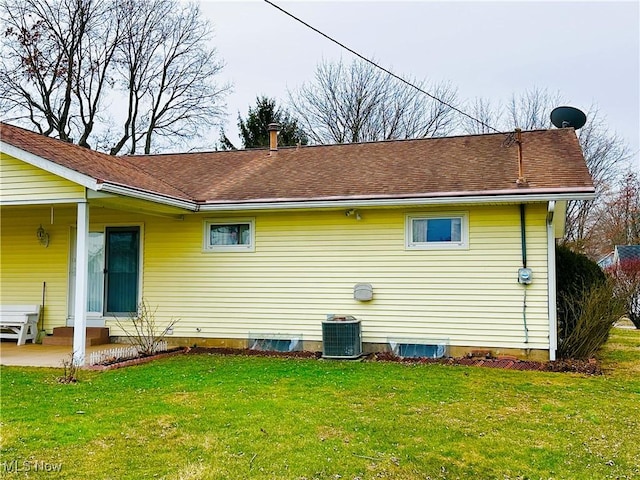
[
  {"x": 353, "y": 211},
  {"x": 43, "y": 236}
]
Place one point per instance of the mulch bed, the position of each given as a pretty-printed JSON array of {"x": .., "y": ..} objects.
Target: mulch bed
[
  {"x": 588, "y": 367},
  {"x": 114, "y": 363}
]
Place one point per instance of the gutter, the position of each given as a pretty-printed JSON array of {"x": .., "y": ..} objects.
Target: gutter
[
  {"x": 149, "y": 196},
  {"x": 497, "y": 197},
  {"x": 493, "y": 197}
]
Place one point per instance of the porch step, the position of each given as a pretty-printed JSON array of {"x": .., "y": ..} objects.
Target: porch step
[{"x": 64, "y": 336}]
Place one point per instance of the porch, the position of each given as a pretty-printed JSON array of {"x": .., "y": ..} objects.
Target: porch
[{"x": 49, "y": 274}]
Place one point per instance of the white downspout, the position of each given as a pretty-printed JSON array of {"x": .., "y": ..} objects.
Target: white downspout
[
  {"x": 551, "y": 275},
  {"x": 80, "y": 304}
]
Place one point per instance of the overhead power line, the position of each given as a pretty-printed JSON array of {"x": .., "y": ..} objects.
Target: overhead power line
[{"x": 389, "y": 72}]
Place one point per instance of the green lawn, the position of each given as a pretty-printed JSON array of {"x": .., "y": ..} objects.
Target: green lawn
[{"x": 229, "y": 417}]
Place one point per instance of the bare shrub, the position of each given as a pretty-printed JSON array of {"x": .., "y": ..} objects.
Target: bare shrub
[
  {"x": 575, "y": 274},
  {"x": 143, "y": 332},
  {"x": 70, "y": 370},
  {"x": 595, "y": 309}
]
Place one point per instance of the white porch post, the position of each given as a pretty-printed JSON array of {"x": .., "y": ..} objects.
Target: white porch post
[{"x": 80, "y": 305}]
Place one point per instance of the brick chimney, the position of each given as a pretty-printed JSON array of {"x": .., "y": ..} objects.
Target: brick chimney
[{"x": 274, "y": 130}]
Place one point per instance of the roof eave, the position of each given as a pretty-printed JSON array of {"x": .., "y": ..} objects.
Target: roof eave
[
  {"x": 445, "y": 198},
  {"x": 127, "y": 191}
]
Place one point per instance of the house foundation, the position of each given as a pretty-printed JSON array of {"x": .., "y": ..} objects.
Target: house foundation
[{"x": 367, "y": 347}]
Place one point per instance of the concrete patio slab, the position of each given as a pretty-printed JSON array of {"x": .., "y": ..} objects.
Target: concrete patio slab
[{"x": 37, "y": 355}]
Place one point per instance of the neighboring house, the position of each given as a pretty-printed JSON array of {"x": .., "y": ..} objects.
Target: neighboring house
[
  {"x": 269, "y": 242},
  {"x": 620, "y": 253}
]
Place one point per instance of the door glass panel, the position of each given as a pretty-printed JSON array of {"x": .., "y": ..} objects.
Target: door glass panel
[
  {"x": 122, "y": 269},
  {"x": 95, "y": 278}
]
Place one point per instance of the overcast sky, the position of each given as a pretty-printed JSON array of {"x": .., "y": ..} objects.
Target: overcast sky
[{"x": 588, "y": 51}]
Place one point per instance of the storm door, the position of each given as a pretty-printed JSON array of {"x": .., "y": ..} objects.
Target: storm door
[{"x": 122, "y": 270}]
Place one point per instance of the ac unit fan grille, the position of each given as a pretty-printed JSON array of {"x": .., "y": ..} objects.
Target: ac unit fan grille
[{"x": 341, "y": 339}]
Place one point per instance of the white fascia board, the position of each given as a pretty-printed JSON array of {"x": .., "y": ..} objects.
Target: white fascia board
[
  {"x": 149, "y": 196},
  {"x": 49, "y": 166},
  {"x": 396, "y": 202},
  {"x": 99, "y": 194}
]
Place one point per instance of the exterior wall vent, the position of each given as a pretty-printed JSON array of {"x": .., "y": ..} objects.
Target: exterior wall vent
[{"x": 363, "y": 292}]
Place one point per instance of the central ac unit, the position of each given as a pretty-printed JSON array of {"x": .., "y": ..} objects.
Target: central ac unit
[{"x": 341, "y": 337}]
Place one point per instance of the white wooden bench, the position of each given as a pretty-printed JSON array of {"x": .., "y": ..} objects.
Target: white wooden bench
[{"x": 19, "y": 322}]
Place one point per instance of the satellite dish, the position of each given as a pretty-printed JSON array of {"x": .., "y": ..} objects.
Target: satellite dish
[{"x": 563, "y": 117}]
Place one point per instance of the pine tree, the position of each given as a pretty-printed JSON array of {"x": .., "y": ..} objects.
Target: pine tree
[{"x": 253, "y": 129}]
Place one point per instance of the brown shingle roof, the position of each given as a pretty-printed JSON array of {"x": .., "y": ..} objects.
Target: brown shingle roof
[{"x": 456, "y": 166}]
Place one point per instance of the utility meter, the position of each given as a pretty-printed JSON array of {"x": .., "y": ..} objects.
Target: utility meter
[{"x": 524, "y": 275}]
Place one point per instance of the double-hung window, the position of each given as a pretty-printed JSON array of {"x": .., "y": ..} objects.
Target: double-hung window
[
  {"x": 229, "y": 235},
  {"x": 437, "y": 230}
]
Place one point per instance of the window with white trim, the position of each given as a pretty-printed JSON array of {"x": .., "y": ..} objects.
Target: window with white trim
[
  {"x": 229, "y": 235},
  {"x": 437, "y": 230}
]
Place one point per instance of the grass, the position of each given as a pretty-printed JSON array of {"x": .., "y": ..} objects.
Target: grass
[{"x": 217, "y": 417}]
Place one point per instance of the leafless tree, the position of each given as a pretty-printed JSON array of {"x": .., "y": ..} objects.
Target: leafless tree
[
  {"x": 606, "y": 153},
  {"x": 65, "y": 63},
  {"x": 94, "y": 61},
  {"x": 618, "y": 216},
  {"x": 39, "y": 69},
  {"x": 531, "y": 110},
  {"x": 168, "y": 73},
  {"x": 488, "y": 114},
  {"x": 358, "y": 102}
]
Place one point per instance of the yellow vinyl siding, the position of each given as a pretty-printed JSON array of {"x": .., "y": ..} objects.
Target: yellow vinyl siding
[
  {"x": 25, "y": 264},
  {"x": 306, "y": 264},
  {"x": 21, "y": 182},
  {"x": 304, "y": 267}
]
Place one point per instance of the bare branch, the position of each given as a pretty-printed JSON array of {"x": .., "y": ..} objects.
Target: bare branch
[
  {"x": 358, "y": 103},
  {"x": 606, "y": 155},
  {"x": 486, "y": 112},
  {"x": 65, "y": 59}
]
